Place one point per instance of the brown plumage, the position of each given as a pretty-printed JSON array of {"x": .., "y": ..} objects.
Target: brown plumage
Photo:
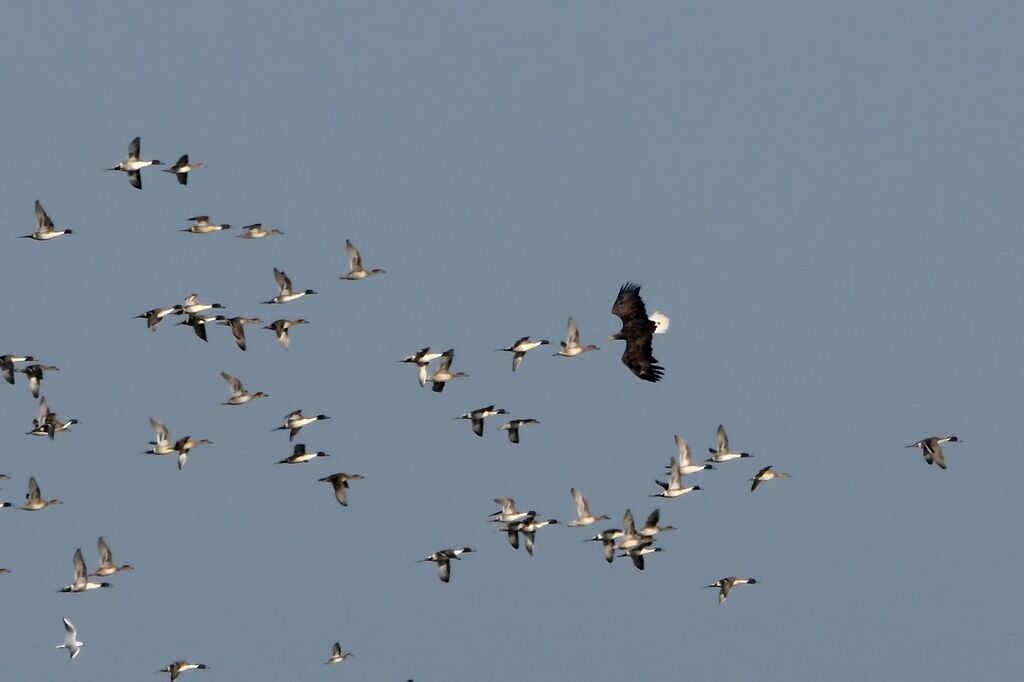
[{"x": 637, "y": 331}]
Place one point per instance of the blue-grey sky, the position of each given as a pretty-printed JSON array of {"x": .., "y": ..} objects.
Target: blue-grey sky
[{"x": 825, "y": 198}]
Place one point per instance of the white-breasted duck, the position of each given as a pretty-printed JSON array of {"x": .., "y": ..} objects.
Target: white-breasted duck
[
  {"x": 723, "y": 453},
  {"x": 443, "y": 559},
  {"x": 134, "y": 163},
  {"x": 34, "y": 498},
  {"x": 725, "y": 585},
  {"x": 107, "y": 565},
  {"x": 520, "y": 348},
  {"x": 422, "y": 359},
  {"x": 301, "y": 455},
  {"x": 675, "y": 487},
  {"x": 478, "y": 415},
  {"x": 194, "y": 305},
  {"x": 508, "y": 512},
  {"x": 240, "y": 396},
  {"x": 45, "y": 231},
  {"x": 630, "y": 538},
  {"x": 7, "y": 365},
  {"x": 685, "y": 459},
  {"x": 183, "y": 167},
  {"x": 444, "y": 373},
  {"x": 48, "y": 423},
  {"x": 766, "y": 474},
  {"x": 294, "y": 421},
  {"x": 82, "y": 582},
  {"x": 179, "y": 667},
  {"x": 583, "y": 515},
  {"x": 513, "y": 427},
  {"x": 337, "y": 656},
  {"x": 529, "y": 527},
  {"x": 285, "y": 292},
  {"x": 163, "y": 445},
  {"x": 257, "y": 231},
  {"x": 155, "y": 316},
  {"x": 35, "y": 376},
  {"x": 571, "y": 346},
  {"x": 931, "y": 448},
  {"x": 201, "y": 225},
  {"x": 198, "y": 323},
  {"x": 637, "y": 554},
  {"x": 355, "y": 264},
  {"x": 280, "y": 329},
  {"x": 339, "y": 482},
  {"x": 607, "y": 539}
]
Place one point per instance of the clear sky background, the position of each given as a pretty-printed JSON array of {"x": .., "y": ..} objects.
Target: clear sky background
[{"x": 825, "y": 197}]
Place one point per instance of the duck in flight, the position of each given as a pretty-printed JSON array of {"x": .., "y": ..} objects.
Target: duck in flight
[
  {"x": 724, "y": 585},
  {"x": 422, "y": 358},
  {"x": 444, "y": 374},
  {"x": 82, "y": 582},
  {"x": 571, "y": 347},
  {"x": 45, "y": 231},
  {"x": 280, "y": 329},
  {"x": 134, "y": 163},
  {"x": 183, "y": 167},
  {"x": 723, "y": 453},
  {"x": 356, "y": 270},
  {"x": 513, "y": 427},
  {"x": 443, "y": 559},
  {"x": 766, "y": 474},
  {"x": 337, "y": 656},
  {"x": 931, "y": 448},
  {"x": 286, "y": 293},
  {"x": 520, "y": 348},
  {"x": 340, "y": 483},
  {"x": 477, "y": 416}
]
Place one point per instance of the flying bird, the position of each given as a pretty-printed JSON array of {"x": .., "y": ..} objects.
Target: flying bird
[
  {"x": 685, "y": 459},
  {"x": 178, "y": 667},
  {"x": 107, "y": 565},
  {"x": 183, "y": 168},
  {"x": 583, "y": 515},
  {"x": 723, "y": 453},
  {"x": 637, "y": 330},
  {"x": 133, "y": 164},
  {"x": 931, "y": 448},
  {"x": 477, "y": 416},
  {"x": 34, "y": 498},
  {"x": 422, "y": 359},
  {"x": 355, "y": 264},
  {"x": 337, "y": 656},
  {"x": 520, "y": 348},
  {"x": 285, "y": 292},
  {"x": 257, "y": 231},
  {"x": 45, "y": 230},
  {"x": 155, "y": 316},
  {"x": 237, "y": 325},
  {"x": 443, "y": 559},
  {"x": 239, "y": 396},
  {"x": 294, "y": 421},
  {"x": 201, "y": 225},
  {"x": 35, "y": 376},
  {"x": 444, "y": 374},
  {"x": 82, "y": 582},
  {"x": 674, "y": 487},
  {"x": 7, "y": 365},
  {"x": 571, "y": 346},
  {"x": 724, "y": 585},
  {"x": 340, "y": 483},
  {"x": 280, "y": 329},
  {"x": 301, "y": 455},
  {"x": 766, "y": 474},
  {"x": 71, "y": 642},
  {"x": 513, "y": 427}
]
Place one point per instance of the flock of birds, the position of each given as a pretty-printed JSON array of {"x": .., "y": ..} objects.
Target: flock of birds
[{"x": 638, "y": 329}]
